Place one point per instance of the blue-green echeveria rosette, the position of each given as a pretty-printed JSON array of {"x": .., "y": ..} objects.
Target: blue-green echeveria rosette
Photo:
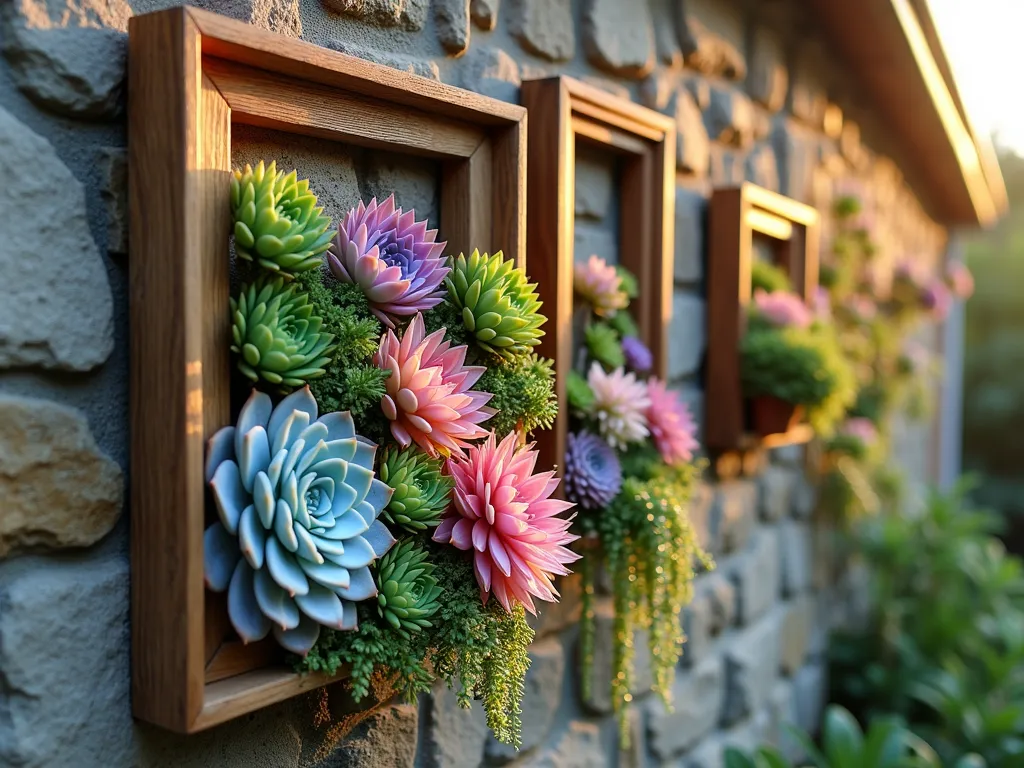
[{"x": 298, "y": 503}]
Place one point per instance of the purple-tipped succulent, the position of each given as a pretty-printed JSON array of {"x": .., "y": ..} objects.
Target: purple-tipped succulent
[
  {"x": 592, "y": 473},
  {"x": 638, "y": 356},
  {"x": 392, "y": 257}
]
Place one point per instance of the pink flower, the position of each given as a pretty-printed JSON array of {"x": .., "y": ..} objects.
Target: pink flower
[
  {"x": 861, "y": 428},
  {"x": 392, "y": 257},
  {"x": 600, "y": 284},
  {"x": 503, "y": 514},
  {"x": 960, "y": 280},
  {"x": 782, "y": 309},
  {"x": 428, "y": 399},
  {"x": 862, "y": 307},
  {"x": 620, "y": 405},
  {"x": 671, "y": 424},
  {"x": 822, "y": 305}
]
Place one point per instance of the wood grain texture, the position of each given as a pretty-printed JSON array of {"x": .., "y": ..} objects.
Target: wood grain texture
[
  {"x": 607, "y": 137},
  {"x": 235, "y": 696},
  {"x": 508, "y": 191},
  {"x": 466, "y": 214}
]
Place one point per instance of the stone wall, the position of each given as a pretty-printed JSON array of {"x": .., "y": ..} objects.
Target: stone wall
[{"x": 755, "y": 97}]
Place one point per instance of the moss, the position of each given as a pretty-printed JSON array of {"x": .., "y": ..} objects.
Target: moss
[{"x": 523, "y": 392}]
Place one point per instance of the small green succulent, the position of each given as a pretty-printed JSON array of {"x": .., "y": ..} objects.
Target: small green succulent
[
  {"x": 407, "y": 590},
  {"x": 276, "y": 335},
  {"x": 604, "y": 346},
  {"x": 499, "y": 307},
  {"x": 277, "y": 222},
  {"x": 578, "y": 392},
  {"x": 421, "y": 492}
]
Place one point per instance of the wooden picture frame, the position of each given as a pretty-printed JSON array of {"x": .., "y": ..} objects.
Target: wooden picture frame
[
  {"x": 192, "y": 74},
  {"x": 563, "y": 111},
  {"x": 736, "y": 214}
]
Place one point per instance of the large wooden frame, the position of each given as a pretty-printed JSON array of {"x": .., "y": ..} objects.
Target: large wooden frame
[
  {"x": 736, "y": 214},
  {"x": 562, "y": 112},
  {"x": 191, "y": 75}
]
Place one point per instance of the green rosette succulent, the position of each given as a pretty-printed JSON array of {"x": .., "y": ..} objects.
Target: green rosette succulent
[
  {"x": 276, "y": 335},
  {"x": 499, "y": 307},
  {"x": 421, "y": 492},
  {"x": 604, "y": 346},
  {"x": 277, "y": 222},
  {"x": 407, "y": 590}
]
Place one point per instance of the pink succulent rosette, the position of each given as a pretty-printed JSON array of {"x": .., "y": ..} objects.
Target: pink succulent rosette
[
  {"x": 600, "y": 285},
  {"x": 428, "y": 398},
  {"x": 392, "y": 257},
  {"x": 782, "y": 309},
  {"x": 671, "y": 424},
  {"x": 503, "y": 513}
]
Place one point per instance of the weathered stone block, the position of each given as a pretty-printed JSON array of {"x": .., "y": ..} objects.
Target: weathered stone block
[
  {"x": 59, "y": 311},
  {"x": 591, "y": 239},
  {"x": 796, "y": 151},
  {"x": 580, "y": 746},
  {"x": 795, "y": 546},
  {"x": 782, "y": 713},
  {"x": 452, "y": 19},
  {"x": 757, "y": 575},
  {"x": 776, "y": 492},
  {"x": 417, "y": 66},
  {"x": 457, "y": 736},
  {"x": 704, "y": 517},
  {"x": 619, "y": 37},
  {"x": 797, "y": 624},
  {"x": 751, "y": 669},
  {"x": 728, "y": 166},
  {"x": 788, "y": 455},
  {"x": 762, "y": 167},
  {"x": 667, "y": 93},
  {"x": 768, "y": 79},
  {"x": 810, "y": 690},
  {"x": 595, "y": 177},
  {"x": 58, "y": 489},
  {"x": 729, "y": 117},
  {"x": 737, "y": 511},
  {"x": 697, "y": 698},
  {"x": 545, "y": 28},
  {"x": 492, "y": 72},
  {"x": 686, "y": 334},
  {"x": 697, "y": 627},
  {"x": 691, "y": 208},
  {"x": 805, "y": 499},
  {"x": 706, "y": 51},
  {"x": 485, "y": 13},
  {"x": 408, "y": 14},
  {"x": 543, "y": 694},
  {"x": 666, "y": 43},
  {"x": 600, "y": 699},
  {"x": 412, "y": 180},
  {"x": 114, "y": 189},
  {"x": 386, "y": 739},
  {"x": 721, "y": 597}
]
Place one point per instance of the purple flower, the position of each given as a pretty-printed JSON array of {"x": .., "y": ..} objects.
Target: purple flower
[
  {"x": 936, "y": 299},
  {"x": 392, "y": 257},
  {"x": 782, "y": 309},
  {"x": 638, "y": 356},
  {"x": 593, "y": 475}
]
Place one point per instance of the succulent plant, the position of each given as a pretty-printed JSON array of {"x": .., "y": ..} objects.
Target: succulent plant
[
  {"x": 620, "y": 405},
  {"x": 637, "y": 355},
  {"x": 421, "y": 492},
  {"x": 499, "y": 307},
  {"x": 782, "y": 309},
  {"x": 407, "y": 591},
  {"x": 392, "y": 257},
  {"x": 276, "y": 335},
  {"x": 600, "y": 284},
  {"x": 672, "y": 426},
  {"x": 603, "y": 345},
  {"x": 277, "y": 223},
  {"x": 592, "y": 472},
  {"x": 297, "y": 504}
]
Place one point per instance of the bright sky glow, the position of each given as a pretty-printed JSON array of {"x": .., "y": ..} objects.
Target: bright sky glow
[{"x": 983, "y": 42}]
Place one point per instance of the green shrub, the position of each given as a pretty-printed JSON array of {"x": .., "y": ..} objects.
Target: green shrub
[{"x": 768, "y": 277}]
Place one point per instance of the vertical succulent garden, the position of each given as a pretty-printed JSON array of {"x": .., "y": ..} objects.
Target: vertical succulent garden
[
  {"x": 629, "y": 467},
  {"x": 376, "y": 500}
]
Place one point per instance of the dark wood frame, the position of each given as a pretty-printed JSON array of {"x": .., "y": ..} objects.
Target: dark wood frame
[
  {"x": 191, "y": 75},
  {"x": 562, "y": 112},
  {"x": 735, "y": 214}
]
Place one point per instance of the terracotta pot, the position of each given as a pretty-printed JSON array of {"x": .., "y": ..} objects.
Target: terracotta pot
[{"x": 772, "y": 416}]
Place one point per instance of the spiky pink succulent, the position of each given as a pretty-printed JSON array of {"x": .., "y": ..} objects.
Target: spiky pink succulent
[
  {"x": 392, "y": 257},
  {"x": 960, "y": 280},
  {"x": 672, "y": 427},
  {"x": 782, "y": 309},
  {"x": 620, "y": 405},
  {"x": 503, "y": 513},
  {"x": 428, "y": 398},
  {"x": 600, "y": 285}
]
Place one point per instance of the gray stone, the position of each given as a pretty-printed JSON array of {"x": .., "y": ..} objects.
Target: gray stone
[
  {"x": 797, "y": 617},
  {"x": 776, "y": 490},
  {"x": 114, "y": 189},
  {"x": 619, "y": 37},
  {"x": 64, "y": 655},
  {"x": 796, "y": 151},
  {"x": 704, "y": 517},
  {"x": 729, "y": 117},
  {"x": 593, "y": 239},
  {"x": 452, "y": 18},
  {"x": 492, "y": 72},
  {"x": 386, "y": 739},
  {"x": 544, "y": 28},
  {"x": 737, "y": 505},
  {"x": 579, "y": 747},
  {"x": 595, "y": 178},
  {"x": 810, "y": 689},
  {"x": 721, "y": 598},
  {"x": 59, "y": 310},
  {"x": 751, "y": 669},
  {"x": 697, "y": 698},
  {"x": 697, "y": 628},
  {"x": 417, "y": 66},
  {"x": 667, "y": 93},
  {"x": 805, "y": 499},
  {"x": 58, "y": 488},
  {"x": 457, "y": 736},
  {"x": 796, "y": 548},
  {"x": 781, "y": 712},
  {"x": 728, "y": 166},
  {"x": 686, "y": 331},
  {"x": 554, "y": 617},
  {"x": 413, "y": 181},
  {"x": 690, "y": 221},
  {"x": 757, "y": 575},
  {"x": 768, "y": 79},
  {"x": 762, "y": 167},
  {"x": 543, "y": 694},
  {"x": 484, "y": 13},
  {"x": 599, "y": 700},
  {"x": 788, "y": 455},
  {"x": 706, "y": 51},
  {"x": 408, "y": 14},
  {"x": 666, "y": 43},
  {"x": 808, "y": 100}
]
